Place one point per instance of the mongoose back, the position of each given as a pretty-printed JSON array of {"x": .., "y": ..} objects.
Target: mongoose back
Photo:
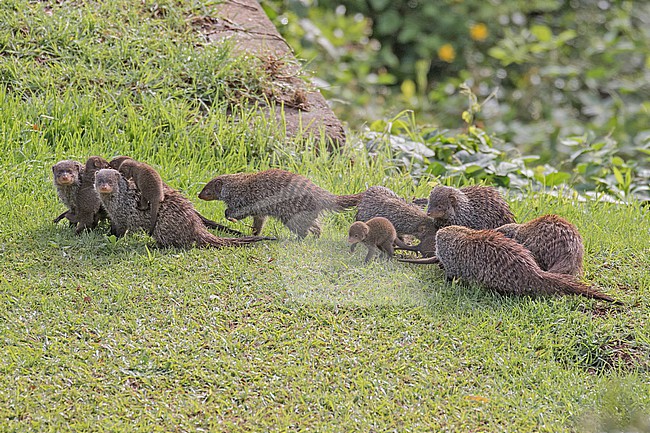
[
  {"x": 493, "y": 260},
  {"x": 150, "y": 184},
  {"x": 116, "y": 162},
  {"x": 408, "y": 219},
  {"x": 178, "y": 223},
  {"x": 554, "y": 242},
  {"x": 291, "y": 198},
  {"x": 67, "y": 180},
  {"x": 377, "y": 234},
  {"x": 476, "y": 207}
]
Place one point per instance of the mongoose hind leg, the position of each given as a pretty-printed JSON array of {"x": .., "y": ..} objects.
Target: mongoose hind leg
[
  {"x": 301, "y": 223},
  {"x": 387, "y": 249}
]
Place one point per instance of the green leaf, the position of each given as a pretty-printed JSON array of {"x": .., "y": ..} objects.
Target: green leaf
[
  {"x": 557, "y": 178},
  {"x": 408, "y": 89},
  {"x": 378, "y": 126},
  {"x": 618, "y": 175},
  {"x": 498, "y": 53},
  {"x": 541, "y": 32},
  {"x": 566, "y": 35}
]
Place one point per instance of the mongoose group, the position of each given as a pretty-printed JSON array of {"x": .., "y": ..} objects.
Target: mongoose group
[{"x": 470, "y": 232}]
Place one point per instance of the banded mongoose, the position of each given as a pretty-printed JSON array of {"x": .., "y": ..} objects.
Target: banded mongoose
[
  {"x": 74, "y": 184},
  {"x": 554, "y": 242},
  {"x": 377, "y": 234},
  {"x": 67, "y": 180},
  {"x": 150, "y": 184},
  {"x": 89, "y": 207},
  {"x": 116, "y": 162},
  {"x": 178, "y": 223},
  {"x": 493, "y": 260},
  {"x": 408, "y": 219},
  {"x": 291, "y": 198},
  {"x": 477, "y": 207}
]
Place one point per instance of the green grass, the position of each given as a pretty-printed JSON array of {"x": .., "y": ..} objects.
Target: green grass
[{"x": 105, "y": 335}]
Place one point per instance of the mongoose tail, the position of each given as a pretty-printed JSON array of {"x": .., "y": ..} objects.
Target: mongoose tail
[
  {"x": 348, "y": 201},
  {"x": 422, "y": 261},
  {"x": 213, "y": 241},
  {"x": 215, "y": 225},
  {"x": 568, "y": 285}
]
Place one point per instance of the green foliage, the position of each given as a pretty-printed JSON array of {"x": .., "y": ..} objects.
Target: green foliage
[
  {"x": 559, "y": 69},
  {"x": 597, "y": 168}
]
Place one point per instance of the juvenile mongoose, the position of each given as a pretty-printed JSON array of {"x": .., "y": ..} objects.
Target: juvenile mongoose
[
  {"x": 554, "y": 242},
  {"x": 67, "y": 180},
  {"x": 89, "y": 207},
  {"x": 377, "y": 234},
  {"x": 476, "y": 207},
  {"x": 291, "y": 198},
  {"x": 117, "y": 162},
  {"x": 408, "y": 219},
  {"x": 150, "y": 184},
  {"x": 490, "y": 258},
  {"x": 178, "y": 223}
]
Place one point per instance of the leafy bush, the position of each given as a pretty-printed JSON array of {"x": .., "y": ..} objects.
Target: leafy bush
[
  {"x": 595, "y": 169},
  {"x": 558, "y": 69}
]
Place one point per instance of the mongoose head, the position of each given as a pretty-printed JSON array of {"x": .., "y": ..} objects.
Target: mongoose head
[
  {"x": 212, "y": 190},
  {"x": 127, "y": 167},
  {"x": 67, "y": 172},
  {"x": 441, "y": 202},
  {"x": 509, "y": 230},
  {"x": 358, "y": 232},
  {"x": 107, "y": 181},
  {"x": 95, "y": 163},
  {"x": 117, "y": 162}
]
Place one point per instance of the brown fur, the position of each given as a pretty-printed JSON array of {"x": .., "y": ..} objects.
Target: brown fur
[
  {"x": 150, "y": 184},
  {"x": 489, "y": 258},
  {"x": 476, "y": 207},
  {"x": 554, "y": 242},
  {"x": 178, "y": 223},
  {"x": 408, "y": 219},
  {"x": 377, "y": 234},
  {"x": 89, "y": 207},
  {"x": 67, "y": 180},
  {"x": 74, "y": 184},
  {"x": 291, "y": 198},
  {"x": 117, "y": 162}
]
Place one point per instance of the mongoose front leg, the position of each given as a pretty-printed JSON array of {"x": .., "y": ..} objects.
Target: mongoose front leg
[
  {"x": 372, "y": 250},
  {"x": 258, "y": 223}
]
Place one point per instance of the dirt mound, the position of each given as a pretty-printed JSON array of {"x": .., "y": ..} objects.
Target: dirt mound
[{"x": 305, "y": 110}]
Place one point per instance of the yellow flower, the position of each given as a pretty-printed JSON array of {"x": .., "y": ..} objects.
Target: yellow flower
[
  {"x": 446, "y": 53},
  {"x": 479, "y": 32}
]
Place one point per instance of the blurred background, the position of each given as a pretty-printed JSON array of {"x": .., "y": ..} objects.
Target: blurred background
[{"x": 548, "y": 76}]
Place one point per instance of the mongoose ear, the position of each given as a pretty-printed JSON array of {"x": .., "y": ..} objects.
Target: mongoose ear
[
  {"x": 78, "y": 166},
  {"x": 452, "y": 200}
]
